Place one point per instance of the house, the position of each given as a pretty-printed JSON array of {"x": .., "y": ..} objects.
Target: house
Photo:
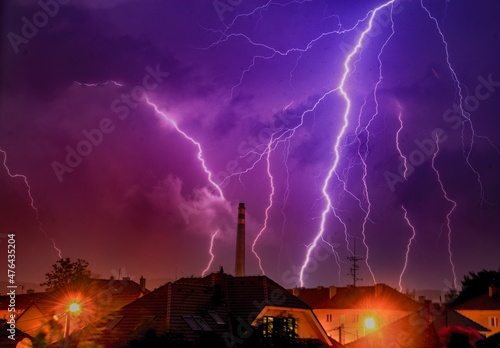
[
  {"x": 48, "y": 313},
  {"x": 484, "y": 309},
  {"x": 348, "y": 313},
  {"x": 219, "y": 308},
  {"x": 432, "y": 326},
  {"x": 13, "y": 337},
  {"x": 23, "y": 301}
]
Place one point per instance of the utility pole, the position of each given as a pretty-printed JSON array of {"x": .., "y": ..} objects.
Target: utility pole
[{"x": 354, "y": 268}]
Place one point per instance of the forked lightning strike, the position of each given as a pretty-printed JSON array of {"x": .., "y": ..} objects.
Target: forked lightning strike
[
  {"x": 32, "y": 201},
  {"x": 211, "y": 252},
  {"x": 333, "y": 168},
  {"x": 448, "y": 215}
]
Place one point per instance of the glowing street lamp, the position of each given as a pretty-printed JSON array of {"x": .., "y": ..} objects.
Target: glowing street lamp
[
  {"x": 370, "y": 323},
  {"x": 73, "y": 309}
]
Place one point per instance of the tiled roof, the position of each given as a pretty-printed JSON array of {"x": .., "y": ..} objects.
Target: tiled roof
[
  {"x": 5, "y": 341},
  {"x": 362, "y": 297},
  {"x": 421, "y": 328},
  {"x": 194, "y": 306},
  {"x": 482, "y": 302},
  {"x": 247, "y": 296},
  {"x": 170, "y": 308},
  {"x": 314, "y": 297},
  {"x": 23, "y": 301}
]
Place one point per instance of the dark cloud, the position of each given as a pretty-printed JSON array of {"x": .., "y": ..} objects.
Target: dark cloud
[{"x": 139, "y": 197}]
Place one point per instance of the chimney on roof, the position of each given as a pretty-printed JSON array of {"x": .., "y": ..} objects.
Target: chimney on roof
[
  {"x": 492, "y": 290},
  {"x": 239, "y": 268},
  {"x": 333, "y": 291},
  {"x": 142, "y": 283}
]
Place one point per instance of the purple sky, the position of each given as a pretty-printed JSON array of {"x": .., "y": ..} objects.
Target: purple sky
[{"x": 138, "y": 199}]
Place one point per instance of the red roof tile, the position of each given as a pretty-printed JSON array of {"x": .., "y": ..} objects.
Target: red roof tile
[
  {"x": 379, "y": 296},
  {"x": 216, "y": 303},
  {"x": 419, "y": 330},
  {"x": 482, "y": 302}
]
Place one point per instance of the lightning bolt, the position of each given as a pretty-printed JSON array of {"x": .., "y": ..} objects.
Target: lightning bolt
[
  {"x": 199, "y": 155},
  {"x": 201, "y": 159},
  {"x": 211, "y": 252},
  {"x": 448, "y": 215},
  {"x": 32, "y": 201},
  {"x": 98, "y": 84},
  {"x": 408, "y": 246},
  {"x": 464, "y": 114},
  {"x": 269, "y": 206},
  {"x": 341, "y": 88},
  {"x": 286, "y": 194},
  {"x": 398, "y": 146}
]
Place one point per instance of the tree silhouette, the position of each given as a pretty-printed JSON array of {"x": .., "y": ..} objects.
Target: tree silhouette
[
  {"x": 65, "y": 272},
  {"x": 475, "y": 284}
]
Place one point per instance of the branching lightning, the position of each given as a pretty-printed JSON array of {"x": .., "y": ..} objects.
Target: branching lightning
[
  {"x": 32, "y": 201},
  {"x": 211, "y": 252},
  {"x": 199, "y": 155},
  {"x": 342, "y": 89},
  {"x": 201, "y": 159},
  {"x": 100, "y": 83},
  {"x": 269, "y": 206},
  {"x": 408, "y": 246},
  {"x": 464, "y": 114},
  {"x": 448, "y": 215}
]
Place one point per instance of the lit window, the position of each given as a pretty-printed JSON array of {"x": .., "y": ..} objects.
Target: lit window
[
  {"x": 342, "y": 319},
  {"x": 493, "y": 321},
  {"x": 272, "y": 326}
]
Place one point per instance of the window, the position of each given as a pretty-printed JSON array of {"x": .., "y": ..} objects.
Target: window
[
  {"x": 272, "y": 326},
  {"x": 355, "y": 318},
  {"x": 113, "y": 322},
  {"x": 202, "y": 323},
  {"x": 328, "y": 317},
  {"x": 144, "y": 323},
  {"x": 493, "y": 321},
  {"x": 196, "y": 323},
  {"x": 342, "y": 319},
  {"x": 216, "y": 317}
]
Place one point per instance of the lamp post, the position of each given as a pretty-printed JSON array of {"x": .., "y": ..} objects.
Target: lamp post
[{"x": 73, "y": 308}]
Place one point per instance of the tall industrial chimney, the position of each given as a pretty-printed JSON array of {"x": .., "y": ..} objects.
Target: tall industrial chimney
[{"x": 239, "y": 268}]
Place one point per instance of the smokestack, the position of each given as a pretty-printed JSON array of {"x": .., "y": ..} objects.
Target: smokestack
[
  {"x": 142, "y": 283},
  {"x": 239, "y": 268}
]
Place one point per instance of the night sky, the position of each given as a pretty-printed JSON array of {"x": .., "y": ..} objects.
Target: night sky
[{"x": 259, "y": 86}]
